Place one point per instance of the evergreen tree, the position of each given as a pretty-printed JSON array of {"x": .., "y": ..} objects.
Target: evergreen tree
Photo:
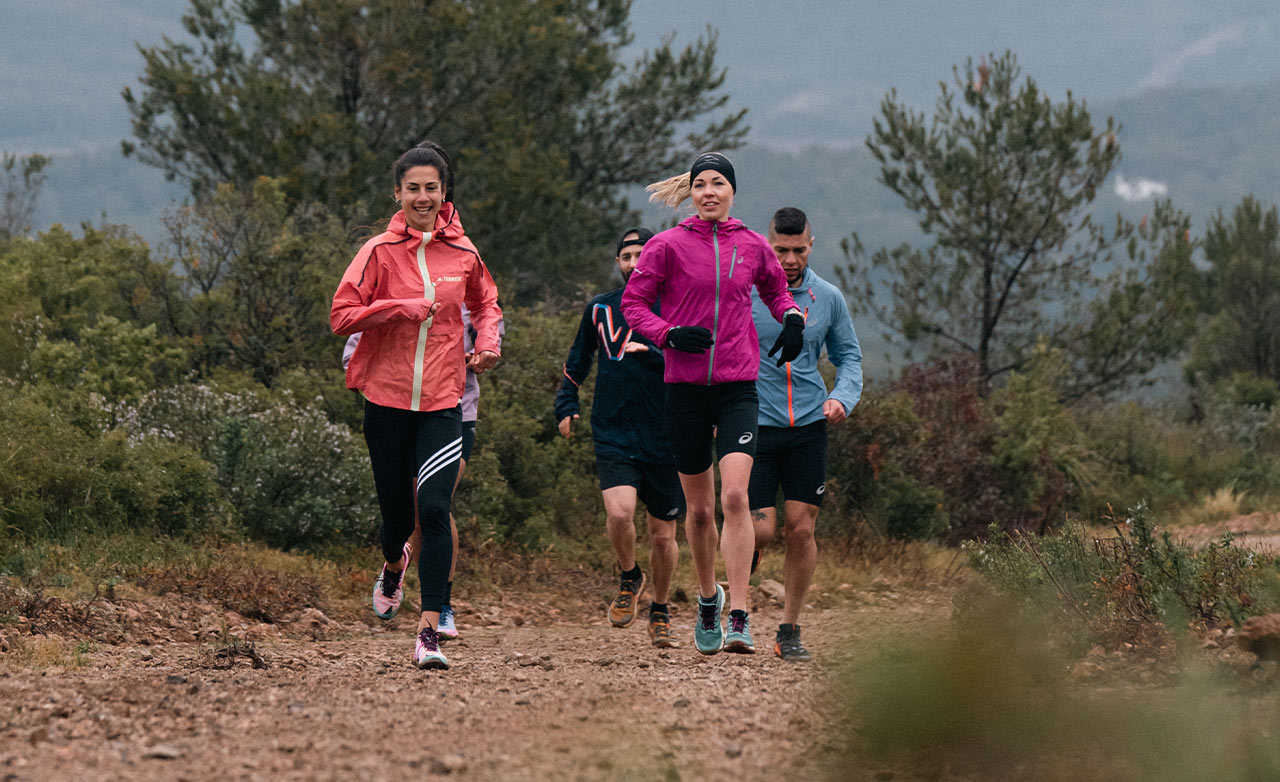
[
  {"x": 544, "y": 124},
  {"x": 1002, "y": 177}
]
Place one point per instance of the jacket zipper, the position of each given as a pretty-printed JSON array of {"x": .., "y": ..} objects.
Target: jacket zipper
[
  {"x": 429, "y": 293},
  {"x": 715, "y": 323}
]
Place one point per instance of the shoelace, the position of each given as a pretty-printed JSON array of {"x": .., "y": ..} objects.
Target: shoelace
[
  {"x": 391, "y": 582},
  {"x": 708, "y": 614},
  {"x": 661, "y": 626},
  {"x": 737, "y": 624},
  {"x": 429, "y": 640},
  {"x": 625, "y": 593}
]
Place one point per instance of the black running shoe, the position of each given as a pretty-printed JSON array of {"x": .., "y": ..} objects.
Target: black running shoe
[{"x": 788, "y": 646}]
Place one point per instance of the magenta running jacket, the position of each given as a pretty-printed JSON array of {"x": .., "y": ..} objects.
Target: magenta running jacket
[{"x": 702, "y": 274}]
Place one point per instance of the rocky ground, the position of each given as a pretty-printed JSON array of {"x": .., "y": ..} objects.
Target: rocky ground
[{"x": 175, "y": 689}]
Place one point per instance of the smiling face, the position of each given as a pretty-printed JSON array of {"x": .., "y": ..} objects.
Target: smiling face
[
  {"x": 629, "y": 256},
  {"x": 793, "y": 253},
  {"x": 712, "y": 196},
  {"x": 421, "y": 194}
]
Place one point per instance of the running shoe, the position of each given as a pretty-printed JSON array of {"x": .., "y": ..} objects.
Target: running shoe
[
  {"x": 788, "y": 646},
  {"x": 388, "y": 590},
  {"x": 707, "y": 633},
  {"x": 426, "y": 652},
  {"x": 738, "y": 639},
  {"x": 660, "y": 631},
  {"x": 622, "y": 611},
  {"x": 448, "y": 631}
]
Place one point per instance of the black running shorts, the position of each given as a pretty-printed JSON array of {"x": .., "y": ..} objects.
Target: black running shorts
[
  {"x": 793, "y": 457},
  {"x": 730, "y": 410},
  {"x": 468, "y": 439},
  {"x": 657, "y": 485}
]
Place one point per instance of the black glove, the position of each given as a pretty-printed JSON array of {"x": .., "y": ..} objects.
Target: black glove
[
  {"x": 791, "y": 340},
  {"x": 690, "y": 339}
]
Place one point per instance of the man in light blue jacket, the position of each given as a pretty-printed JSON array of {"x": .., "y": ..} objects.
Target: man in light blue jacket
[{"x": 795, "y": 409}]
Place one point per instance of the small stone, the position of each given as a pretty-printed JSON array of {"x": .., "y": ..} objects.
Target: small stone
[
  {"x": 773, "y": 590},
  {"x": 683, "y": 703},
  {"x": 733, "y": 751},
  {"x": 447, "y": 764},
  {"x": 174, "y": 678},
  {"x": 162, "y": 752}
]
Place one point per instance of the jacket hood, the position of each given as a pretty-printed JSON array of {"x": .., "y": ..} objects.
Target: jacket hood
[
  {"x": 698, "y": 225},
  {"x": 448, "y": 224}
]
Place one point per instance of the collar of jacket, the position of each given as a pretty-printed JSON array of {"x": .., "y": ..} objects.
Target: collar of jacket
[
  {"x": 698, "y": 225},
  {"x": 448, "y": 224},
  {"x": 806, "y": 281}
]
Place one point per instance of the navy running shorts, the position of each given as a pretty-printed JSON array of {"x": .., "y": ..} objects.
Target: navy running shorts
[
  {"x": 794, "y": 458},
  {"x": 657, "y": 485},
  {"x": 727, "y": 414}
]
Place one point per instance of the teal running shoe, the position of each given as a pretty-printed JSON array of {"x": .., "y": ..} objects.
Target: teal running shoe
[
  {"x": 738, "y": 639},
  {"x": 708, "y": 636}
]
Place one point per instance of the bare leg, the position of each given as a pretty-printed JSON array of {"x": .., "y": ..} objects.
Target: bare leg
[
  {"x": 802, "y": 556},
  {"x": 620, "y": 511},
  {"x": 739, "y": 538},
  {"x": 663, "y": 554},
  {"x": 700, "y": 527},
  {"x": 765, "y": 521}
]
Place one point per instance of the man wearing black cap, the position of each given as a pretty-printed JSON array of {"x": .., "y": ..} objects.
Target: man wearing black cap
[{"x": 633, "y": 454}]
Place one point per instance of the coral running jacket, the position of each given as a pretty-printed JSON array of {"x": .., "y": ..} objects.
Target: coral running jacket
[
  {"x": 405, "y": 359},
  {"x": 703, "y": 274}
]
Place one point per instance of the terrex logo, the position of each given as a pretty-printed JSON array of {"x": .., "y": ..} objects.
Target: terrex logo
[
  {"x": 448, "y": 279},
  {"x": 744, "y": 439}
]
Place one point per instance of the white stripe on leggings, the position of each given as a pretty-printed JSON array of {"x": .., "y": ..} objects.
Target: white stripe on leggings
[{"x": 441, "y": 459}]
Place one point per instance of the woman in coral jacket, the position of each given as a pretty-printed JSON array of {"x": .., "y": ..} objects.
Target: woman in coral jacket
[
  {"x": 702, "y": 271},
  {"x": 405, "y": 290}
]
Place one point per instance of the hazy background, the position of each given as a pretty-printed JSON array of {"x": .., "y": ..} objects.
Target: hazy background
[{"x": 1195, "y": 85}]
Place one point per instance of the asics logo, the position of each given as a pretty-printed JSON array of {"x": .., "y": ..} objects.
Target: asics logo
[
  {"x": 744, "y": 439},
  {"x": 822, "y": 488}
]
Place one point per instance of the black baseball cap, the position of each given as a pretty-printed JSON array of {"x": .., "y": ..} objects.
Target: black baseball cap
[{"x": 642, "y": 235}]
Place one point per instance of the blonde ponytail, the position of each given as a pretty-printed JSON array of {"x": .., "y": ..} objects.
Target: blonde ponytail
[{"x": 671, "y": 192}]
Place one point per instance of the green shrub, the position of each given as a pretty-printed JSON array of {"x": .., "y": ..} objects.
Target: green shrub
[
  {"x": 60, "y": 478},
  {"x": 292, "y": 477}
]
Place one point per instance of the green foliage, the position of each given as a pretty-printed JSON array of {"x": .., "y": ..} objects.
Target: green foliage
[
  {"x": 1002, "y": 178},
  {"x": 257, "y": 280},
  {"x": 525, "y": 483},
  {"x": 61, "y": 479},
  {"x": 544, "y": 122},
  {"x": 1241, "y": 296},
  {"x": 292, "y": 477},
  {"x": 1107, "y": 587}
]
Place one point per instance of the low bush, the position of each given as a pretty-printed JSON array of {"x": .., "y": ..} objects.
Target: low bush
[{"x": 292, "y": 477}]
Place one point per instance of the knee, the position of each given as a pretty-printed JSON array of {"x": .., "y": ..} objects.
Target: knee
[
  {"x": 700, "y": 515},
  {"x": 734, "y": 501},
  {"x": 800, "y": 533},
  {"x": 617, "y": 519},
  {"x": 662, "y": 536},
  {"x": 433, "y": 513}
]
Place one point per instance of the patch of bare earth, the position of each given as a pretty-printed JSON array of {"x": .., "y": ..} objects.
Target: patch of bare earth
[
  {"x": 541, "y": 688},
  {"x": 1259, "y": 531}
]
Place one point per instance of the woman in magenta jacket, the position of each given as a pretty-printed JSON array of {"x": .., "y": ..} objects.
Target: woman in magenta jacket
[{"x": 702, "y": 272}]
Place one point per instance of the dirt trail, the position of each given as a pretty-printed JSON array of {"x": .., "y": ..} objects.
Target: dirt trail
[{"x": 565, "y": 699}]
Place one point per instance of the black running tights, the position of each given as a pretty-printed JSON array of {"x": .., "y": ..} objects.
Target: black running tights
[{"x": 414, "y": 449}]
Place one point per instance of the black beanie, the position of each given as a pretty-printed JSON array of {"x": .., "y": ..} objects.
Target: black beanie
[
  {"x": 642, "y": 235},
  {"x": 713, "y": 161}
]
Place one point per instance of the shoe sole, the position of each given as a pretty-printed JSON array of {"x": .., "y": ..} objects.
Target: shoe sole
[
  {"x": 444, "y": 637},
  {"x": 432, "y": 663},
  {"x": 635, "y": 605},
  {"x": 739, "y": 647},
  {"x": 794, "y": 659}
]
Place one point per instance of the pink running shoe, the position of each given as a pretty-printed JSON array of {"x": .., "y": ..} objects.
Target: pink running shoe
[
  {"x": 426, "y": 652},
  {"x": 388, "y": 590}
]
